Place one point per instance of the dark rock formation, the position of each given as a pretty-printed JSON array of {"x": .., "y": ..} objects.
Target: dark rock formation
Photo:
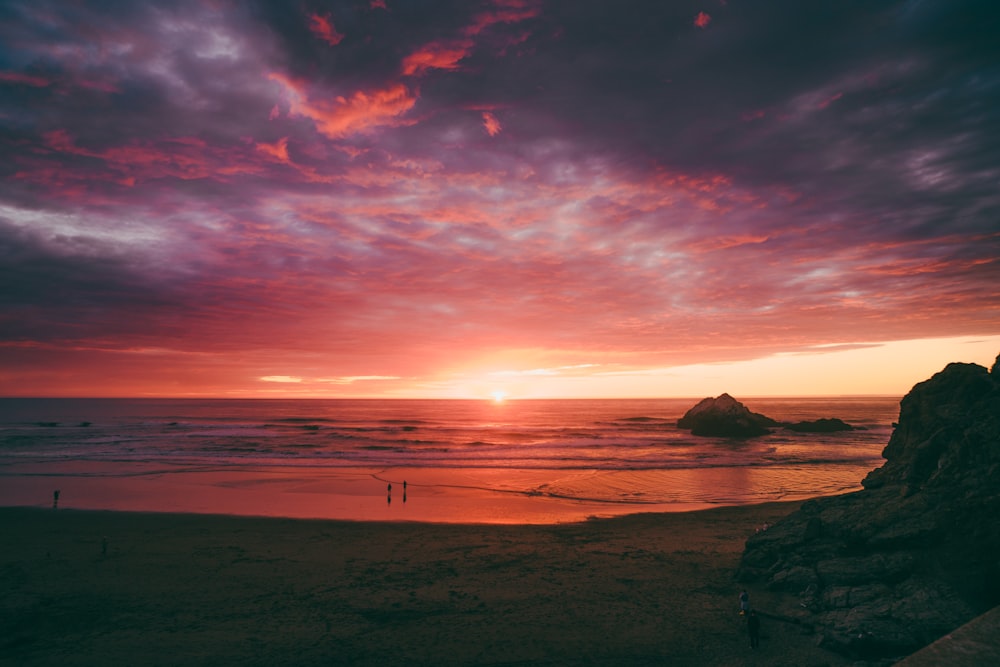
[
  {"x": 889, "y": 569},
  {"x": 724, "y": 416},
  {"x": 819, "y": 426}
]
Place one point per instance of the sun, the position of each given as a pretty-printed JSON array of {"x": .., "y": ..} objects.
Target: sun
[{"x": 499, "y": 396}]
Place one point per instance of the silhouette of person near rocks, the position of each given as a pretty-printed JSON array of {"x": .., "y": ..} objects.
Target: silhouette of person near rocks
[
  {"x": 55, "y": 499},
  {"x": 753, "y": 629},
  {"x": 744, "y": 603}
]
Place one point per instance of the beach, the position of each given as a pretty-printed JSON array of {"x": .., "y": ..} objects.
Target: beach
[
  {"x": 400, "y": 532},
  {"x": 535, "y": 462},
  {"x": 87, "y": 587}
]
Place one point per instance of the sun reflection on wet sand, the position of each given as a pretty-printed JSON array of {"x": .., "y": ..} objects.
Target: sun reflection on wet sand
[{"x": 433, "y": 495}]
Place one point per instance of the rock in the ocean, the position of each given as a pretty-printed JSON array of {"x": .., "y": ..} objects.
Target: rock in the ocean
[
  {"x": 819, "y": 426},
  {"x": 724, "y": 416},
  {"x": 893, "y": 567}
]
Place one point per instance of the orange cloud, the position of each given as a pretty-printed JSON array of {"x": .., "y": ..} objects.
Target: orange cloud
[
  {"x": 491, "y": 124},
  {"x": 277, "y": 150},
  {"x": 702, "y": 20},
  {"x": 322, "y": 27},
  {"x": 446, "y": 55},
  {"x": 507, "y": 11},
  {"x": 435, "y": 56},
  {"x": 358, "y": 113}
]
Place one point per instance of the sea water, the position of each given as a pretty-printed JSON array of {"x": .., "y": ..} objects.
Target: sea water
[{"x": 622, "y": 452}]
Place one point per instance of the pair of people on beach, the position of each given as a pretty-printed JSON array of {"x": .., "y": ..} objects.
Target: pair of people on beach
[{"x": 389, "y": 491}]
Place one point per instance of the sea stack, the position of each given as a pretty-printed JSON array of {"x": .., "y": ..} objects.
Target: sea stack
[
  {"x": 726, "y": 417},
  {"x": 884, "y": 571}
]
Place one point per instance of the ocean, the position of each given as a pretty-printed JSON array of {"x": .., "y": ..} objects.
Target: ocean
[{"x": 623, "y": 455}]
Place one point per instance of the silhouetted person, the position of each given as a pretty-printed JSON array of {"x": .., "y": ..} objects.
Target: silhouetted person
[
  {"x": 744, "y": 603},
  {"x": 753, "y": 629},
  {"x": 55, "y": 499},
  {"x": 389, "y": 488}
]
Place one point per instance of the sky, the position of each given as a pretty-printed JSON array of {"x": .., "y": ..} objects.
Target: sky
[{"x": 534, "y": 198}]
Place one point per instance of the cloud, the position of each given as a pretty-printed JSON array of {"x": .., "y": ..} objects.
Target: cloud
[
  {"x": 435, "y": 56},
  {"x": 560, "y": 370},
  {"x": 216, "y": 183},
  {"x": 362, "y": 111},
  {"x": 322, "y": 27},
  {"x": 351, "y": 379},
  {"x": 24, "y": 79},
  {"x": 278, "y": 150},
  {"x": 491, "y": 124},
  {"x": 284, "y": 379}
]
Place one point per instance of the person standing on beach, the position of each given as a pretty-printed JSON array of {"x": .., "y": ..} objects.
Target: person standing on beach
[
  {"x": 753, "y": 629},
  {"x": 55, "y": 499}
]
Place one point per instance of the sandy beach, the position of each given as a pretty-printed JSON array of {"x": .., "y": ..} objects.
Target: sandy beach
[{"x": 111, "y": 588}]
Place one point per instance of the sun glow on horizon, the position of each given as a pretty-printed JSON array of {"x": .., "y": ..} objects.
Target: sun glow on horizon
[{"x": 886, "y": 368}]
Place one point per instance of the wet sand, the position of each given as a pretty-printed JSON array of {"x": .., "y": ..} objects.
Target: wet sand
[
  {"x": 435, "y": 495},
  {"x": 170, "y": 589}
]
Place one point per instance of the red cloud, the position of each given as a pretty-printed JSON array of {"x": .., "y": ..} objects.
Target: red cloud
[
  {"x": 491, "y": 124},
  {"x": 343, "y": 116},
  {"x": 436, "y": 56},
  {"x": 702, "y": 20},
  {"x": 507, "y": 11},
  {"x": 277, "y": 150},
  {"x": 322, "y": 27},
  {"x": 186, "y": 158},
  {"x": 830, "y": 100},
  {"x": 446, "y": 55},
  {"x": 25, "y": 79}
]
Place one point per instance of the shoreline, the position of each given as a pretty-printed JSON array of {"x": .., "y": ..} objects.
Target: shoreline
[
  {"x": 116, "y": 587},
  {"x": 432, "y": 495}
]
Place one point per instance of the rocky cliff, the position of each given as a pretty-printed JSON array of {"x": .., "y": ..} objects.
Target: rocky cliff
[{"x": 916, "y": 553}]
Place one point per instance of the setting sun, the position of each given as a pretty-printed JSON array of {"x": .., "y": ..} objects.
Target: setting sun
[{"x": 499, "y": 396}]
